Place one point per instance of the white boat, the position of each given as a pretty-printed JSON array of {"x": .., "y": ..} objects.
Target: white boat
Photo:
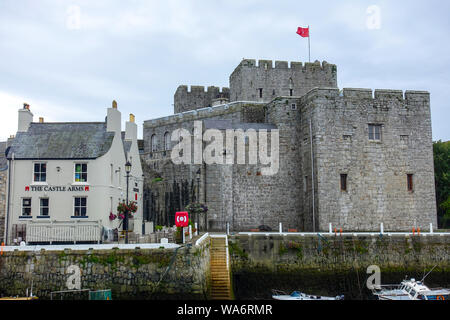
[
  {"x": 296, "y": 295},
  {"x": 410, "y": 290}
]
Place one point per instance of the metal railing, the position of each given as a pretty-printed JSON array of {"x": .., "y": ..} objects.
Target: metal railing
[{"x": 63, "y": 231}]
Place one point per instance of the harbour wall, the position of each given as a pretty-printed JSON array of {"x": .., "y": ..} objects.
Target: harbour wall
[
  {"x": 156, "y": 274},
  {"x": 318, "y": 264},
  {"x": 332, "y": 265}
]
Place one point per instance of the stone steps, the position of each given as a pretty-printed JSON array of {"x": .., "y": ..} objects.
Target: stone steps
[{"x": 220, "y": 275}]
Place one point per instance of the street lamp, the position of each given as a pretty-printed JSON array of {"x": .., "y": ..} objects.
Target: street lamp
[
  {"x": 198, "y": 185},
  {"x": 125, "y": 222},
  {"x": 198, "y": 190}
]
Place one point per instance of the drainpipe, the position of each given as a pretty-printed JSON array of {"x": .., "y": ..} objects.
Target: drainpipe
[
  {"x": 8, "y": 202},
  {"x": 312, "y": 174}
]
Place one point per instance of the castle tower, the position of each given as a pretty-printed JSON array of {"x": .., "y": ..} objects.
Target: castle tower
[{"x": 263, "y": 82}]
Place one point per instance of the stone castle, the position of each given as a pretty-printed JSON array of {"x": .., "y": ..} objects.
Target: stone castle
[{"x": 353, "y": 158}]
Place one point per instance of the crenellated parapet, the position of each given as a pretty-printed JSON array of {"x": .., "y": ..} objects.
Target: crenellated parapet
[
  {"x": 375, "y": 97},
  {"x": 264, "y": 80},
  {"x": 197, "y": 97}
]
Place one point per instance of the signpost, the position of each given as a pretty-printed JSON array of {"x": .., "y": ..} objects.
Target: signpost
[{"x": 182, "y": 220}]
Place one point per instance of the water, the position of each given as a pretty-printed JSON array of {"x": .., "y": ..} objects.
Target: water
[{"x": 350, "y": 283}]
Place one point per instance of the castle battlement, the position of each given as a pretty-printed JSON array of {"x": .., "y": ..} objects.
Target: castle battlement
[
  {"x": 199, "y": 114},
  {"x": 196, "y": 97},
  {"x": 296, "y": 65},
  {"x": 377, "y": 95},
  {"x": 201, "y": 89}
]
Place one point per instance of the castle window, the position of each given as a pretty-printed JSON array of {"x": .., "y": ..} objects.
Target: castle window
[
  {"x": 291, "y": 92},
  {"x": 294, "y": 106},
  {"x": 409, "y": 178},
  {"x": 167, "y": 141},
  {"x": 153, "y": 143},
  {"x": 273, "y": 92},
  {"x": 344, "y": 182},
  {"x": 260, "y": 92},
  {"x": 40, "y": 172},
  {"x": 375, "y": 132}
]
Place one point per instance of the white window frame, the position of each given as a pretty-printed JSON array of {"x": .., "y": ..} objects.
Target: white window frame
[
  {"x": 40, "y": 163},
  {"x": 22, "y": 207},
  {"x": 86, "y": 172},
  {"x": 80, "y": 206},
  {"x": 41, "y": 207}
]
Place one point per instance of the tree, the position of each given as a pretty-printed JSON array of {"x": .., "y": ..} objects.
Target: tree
[{"x": 441, "y": 151}]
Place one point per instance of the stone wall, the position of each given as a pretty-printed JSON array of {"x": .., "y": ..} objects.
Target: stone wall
[
  {"x": 3, "y": 186},
  {"x": 181, "y": 273},
  {"x": 197, "y": 97},
  {"x": 333, "y": 265},
  {"x": 323, "y": 135},
  {"x": 376, "y": 171},
  {"x": 249, "y": 78}
]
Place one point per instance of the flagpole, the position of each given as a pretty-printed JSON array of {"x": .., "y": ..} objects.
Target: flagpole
[{"x": 309, "y": 43}]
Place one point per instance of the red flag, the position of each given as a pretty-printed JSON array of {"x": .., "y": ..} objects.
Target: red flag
[{"x": 303, "y": 32}]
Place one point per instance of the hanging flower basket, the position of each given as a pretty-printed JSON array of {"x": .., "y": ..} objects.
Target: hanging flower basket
[
  {"x": 112, "y": 216},
  {"x": 122, "y": 208},
  {"x": 196, "y": 208}
]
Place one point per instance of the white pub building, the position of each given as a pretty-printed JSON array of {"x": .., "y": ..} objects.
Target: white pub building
[{"x": 66, "y": 179}]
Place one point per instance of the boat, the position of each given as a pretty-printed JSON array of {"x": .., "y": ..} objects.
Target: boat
[
  {"x": 296, "y": 295},
  {"x": 410, "y": 290}
]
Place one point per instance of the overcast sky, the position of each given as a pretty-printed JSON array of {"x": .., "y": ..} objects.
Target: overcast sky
[{"x": 70, "y": 59}]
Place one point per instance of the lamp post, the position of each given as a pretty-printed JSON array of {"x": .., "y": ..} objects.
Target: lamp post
[
  {"x": 198, "y": 185},
  {"x": 125, "y": 222},
  {"x": 198, "y": 189}
]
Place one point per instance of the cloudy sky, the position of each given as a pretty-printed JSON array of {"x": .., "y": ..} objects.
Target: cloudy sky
[{"x": 70, "y": 59}]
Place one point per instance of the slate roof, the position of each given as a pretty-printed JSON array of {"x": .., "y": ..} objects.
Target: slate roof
[
  {"x": 67, "y": 140},
  {"x": 126, "y": 143},
  {"x": 3, "y": 161}
]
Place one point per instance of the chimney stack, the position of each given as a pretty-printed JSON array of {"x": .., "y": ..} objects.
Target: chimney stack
[
  {"x": 25, "y": 118},
  {"x": 41, "y": 120},
  {"x": 131, "y": 129},
  {"x": 114, "y": 119}
]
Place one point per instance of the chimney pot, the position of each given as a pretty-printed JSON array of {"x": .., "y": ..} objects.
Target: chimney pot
[
  {"x": 132, "y": 118},
  {"x": 41, "y": 120},
  {"x": 114, "y": 104},
  {"x": 26, "y": 106}
]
